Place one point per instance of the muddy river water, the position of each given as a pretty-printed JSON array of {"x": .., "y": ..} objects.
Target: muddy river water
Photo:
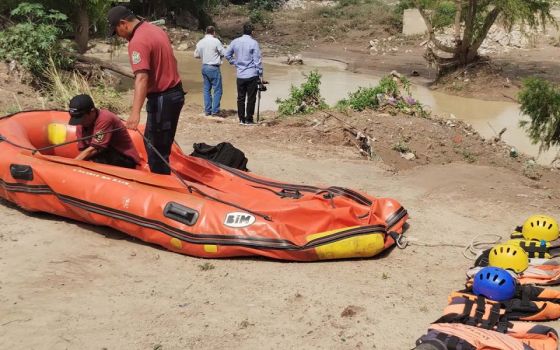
[{"x": 487, "y": 117}]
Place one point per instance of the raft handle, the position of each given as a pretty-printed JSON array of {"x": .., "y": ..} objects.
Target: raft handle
[
  {"x": 21, "y": 172},
  {"x": 179, "y": 212},
  {"x": 290, "y": 193}
]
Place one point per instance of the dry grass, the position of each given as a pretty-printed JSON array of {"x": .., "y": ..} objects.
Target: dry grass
[{"x": 63, "y": 85}]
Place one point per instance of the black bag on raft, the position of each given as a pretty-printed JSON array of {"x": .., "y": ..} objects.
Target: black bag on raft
[{"x": 223, "y": 153}]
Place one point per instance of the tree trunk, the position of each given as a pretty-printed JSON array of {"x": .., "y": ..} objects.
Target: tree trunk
[
  {"x": 106, "y": 65},
  {"x": 82, "y": 27},
  {"x": 457, "y": 25}
]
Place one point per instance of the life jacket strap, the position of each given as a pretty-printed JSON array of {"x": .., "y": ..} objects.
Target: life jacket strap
[
  {"x": 452, "y": 342},
  {"x": 493, "y": 318},
  {"x": 534, "y": 249}
]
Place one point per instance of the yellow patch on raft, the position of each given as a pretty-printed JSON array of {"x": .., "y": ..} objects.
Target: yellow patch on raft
[
  {"x": 361, "y": 246},
  {"x": 56, "y": 133},
  {"x": 210, "y": 248},
  {"x": 176, "y": 243}
]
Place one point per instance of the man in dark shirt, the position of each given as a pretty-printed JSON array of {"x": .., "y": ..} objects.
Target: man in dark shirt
[
  {"x": 157, "y": 78},
  {"x": 106, "y": 139}
]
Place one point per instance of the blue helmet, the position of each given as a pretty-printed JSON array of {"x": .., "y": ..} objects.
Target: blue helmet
[{"x": 494, "y": 283}]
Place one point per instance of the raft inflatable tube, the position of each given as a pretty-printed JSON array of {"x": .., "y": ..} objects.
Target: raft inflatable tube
[{"x": 214, "y": 212}]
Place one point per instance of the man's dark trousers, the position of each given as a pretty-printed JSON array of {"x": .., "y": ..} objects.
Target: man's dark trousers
[
  {"x": 163, "y": 115},
  {"x": 246, "y": 87}
]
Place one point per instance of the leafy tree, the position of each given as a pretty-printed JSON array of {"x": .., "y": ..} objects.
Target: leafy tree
[
  {"x": 84, "y": 15},
  {"x": 35, "y": 39},
  {"x": 472, "y": 20},
  {"x": 540, "y": 100}
]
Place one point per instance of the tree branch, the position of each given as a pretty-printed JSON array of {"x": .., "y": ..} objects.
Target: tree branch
[
  {"x": 458, "y": 13},
  {"x": 469, "y": 24},
  {"x": 438, "y": 44},
  {"x": 488, "y": 22},
  {"x": 104, "y": 64}
]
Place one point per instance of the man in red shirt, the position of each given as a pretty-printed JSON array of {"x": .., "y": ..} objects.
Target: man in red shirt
[
  {"x": 156, "y": 77},
  {"x": 106, "y": 139}
]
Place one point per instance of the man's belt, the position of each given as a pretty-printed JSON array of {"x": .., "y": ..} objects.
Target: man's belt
[{"x": 178, "y": 87}]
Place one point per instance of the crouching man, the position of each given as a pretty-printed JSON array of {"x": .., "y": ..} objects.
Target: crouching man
[{"x": 106, "y": 138}]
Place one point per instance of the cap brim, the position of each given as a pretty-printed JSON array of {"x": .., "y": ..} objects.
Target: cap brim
[{"x": 75, "y": 120}]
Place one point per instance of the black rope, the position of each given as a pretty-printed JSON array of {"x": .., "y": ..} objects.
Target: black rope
[
  {"x": 192, "y": 189},
  {"x": 35, "y": 150}
]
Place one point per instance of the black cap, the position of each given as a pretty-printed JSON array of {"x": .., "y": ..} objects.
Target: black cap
[
  {"x": 78, "y": 107},
  {"x": 115, "y": 15}
]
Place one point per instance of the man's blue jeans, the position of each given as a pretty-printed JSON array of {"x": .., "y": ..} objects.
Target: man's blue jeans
[{"x": 212, "y": 79}]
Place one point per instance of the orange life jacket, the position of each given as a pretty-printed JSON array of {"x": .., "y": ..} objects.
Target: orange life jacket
[
  {"x": 478, "y": 311},
  {"x": 521, "y": 336}
]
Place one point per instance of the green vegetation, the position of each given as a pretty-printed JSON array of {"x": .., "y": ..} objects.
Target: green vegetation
[
  {"x": 368, "y": 98},
  {"x": 348, "y": 15},
  {"x": 472, "y": 21},
  {"x": 392, "y": 92},
  {"x": 468, "y": 156},
  {"x": 305, "y": 99},
  {"x": 36, "y": 40},
  {"x": 266, "y": 5},
  {"x": 262, "y": 17},
  {"x": 260, "y": 11},
  {"x": 540, "y": 100},
  {"x": 401, "y": 146}
]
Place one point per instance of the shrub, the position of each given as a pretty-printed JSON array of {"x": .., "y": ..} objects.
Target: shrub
[
  {"x": 392, "y": 91},
  {"x": 266, "y": 5},
  {"x": 35, "y": 40},
  {"x": 365, "y": 98},
  {"x": 540, "y": 100},
  {"x": 261, "y": 17},
  {"x": 401, "y": 146},
  {"x": 305, "y": 99}
]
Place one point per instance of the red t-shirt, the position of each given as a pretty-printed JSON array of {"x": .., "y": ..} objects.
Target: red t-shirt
[
  {"x": 149, "y": 50},
  {"x": 119, "y": 140}
]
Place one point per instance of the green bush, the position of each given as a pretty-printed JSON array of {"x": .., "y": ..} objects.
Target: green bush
[
  {"x": 266, "y": 5},
  {"x": 35, "y": 40},
  {"x": 305, "y": 99},
  {"x": 444, "y": 14},
  {"x": 540, "y": 100},
  {"x": 365, "y": 98},
  {"x": 391, "y": 91},
  {"x": 261, "y": 17}
]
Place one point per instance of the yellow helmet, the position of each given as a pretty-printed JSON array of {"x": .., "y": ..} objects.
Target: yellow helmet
[
  {"x": 540, "y": 227},
  {"x": 508, "y": 256}
]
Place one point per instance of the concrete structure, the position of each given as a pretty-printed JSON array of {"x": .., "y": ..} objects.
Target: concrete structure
[{"x": 413, "y": 23}]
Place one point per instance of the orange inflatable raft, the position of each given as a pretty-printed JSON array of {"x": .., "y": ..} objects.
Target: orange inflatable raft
[{"x": 214, "y": 212}]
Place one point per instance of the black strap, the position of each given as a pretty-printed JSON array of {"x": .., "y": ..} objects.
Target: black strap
[
  {"x": 534, "y": 249},
  {"x": 466, "y": 315},
  {"x": 493, "y": 319},
  {"x": 451, "y": 341},
  {"x": 480, "y": 309}
]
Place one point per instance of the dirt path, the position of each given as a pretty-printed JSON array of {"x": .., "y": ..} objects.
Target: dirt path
[{"x": 66, "y": 285}]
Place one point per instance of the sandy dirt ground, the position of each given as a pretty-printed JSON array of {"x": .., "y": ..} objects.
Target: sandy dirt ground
[{"x": 67, "y": 285}]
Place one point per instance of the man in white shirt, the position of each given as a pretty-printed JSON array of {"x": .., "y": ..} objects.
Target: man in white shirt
[{"x": 211, "y": 51}]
